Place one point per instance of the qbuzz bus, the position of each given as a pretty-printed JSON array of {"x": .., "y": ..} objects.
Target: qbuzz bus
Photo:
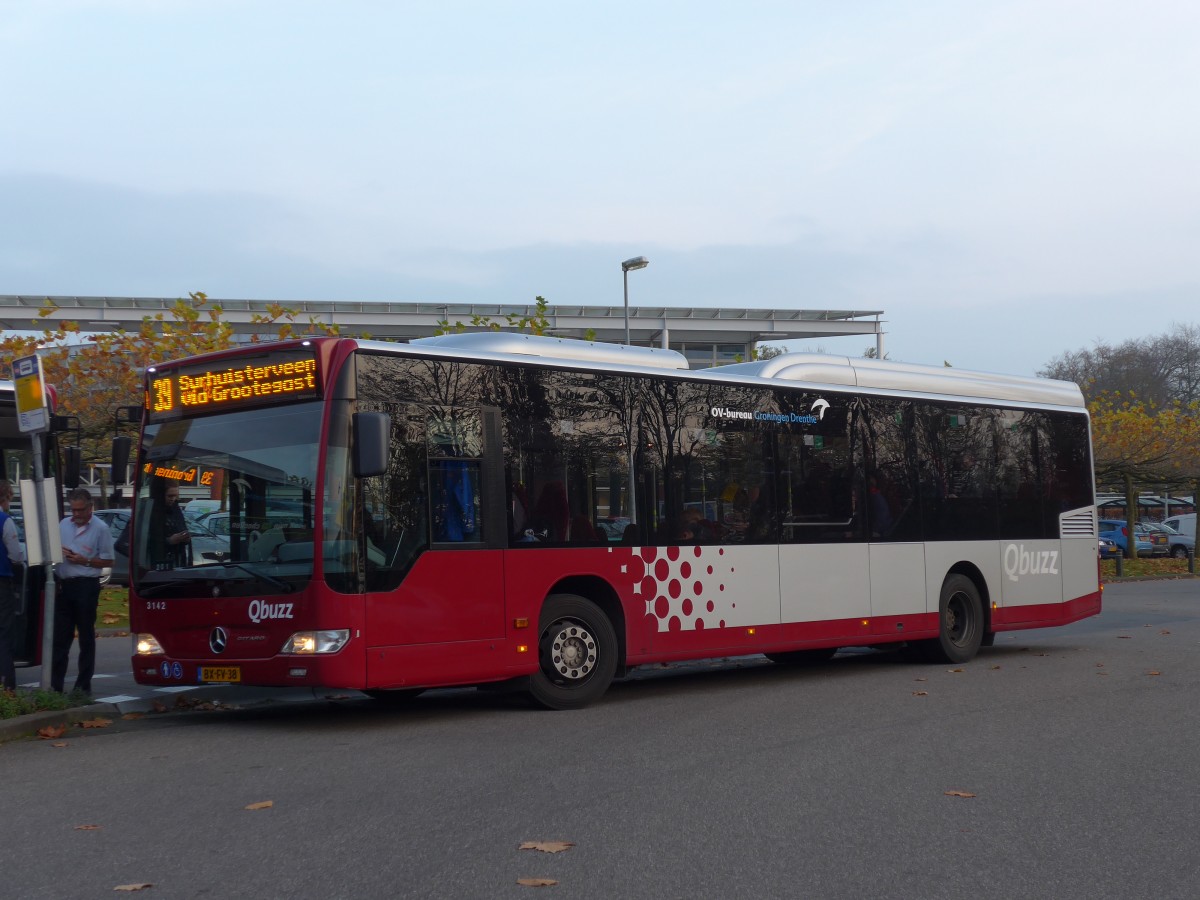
[{"x": 544, "y": 514}]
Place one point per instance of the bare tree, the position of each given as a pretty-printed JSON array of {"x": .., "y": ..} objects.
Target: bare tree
[{"x": 1161, "y": 371}]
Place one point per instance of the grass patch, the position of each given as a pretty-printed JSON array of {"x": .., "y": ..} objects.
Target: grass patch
[
  {"x": 1135, "y": 567},
  {"x": 22, "y": 703},
  {"x": 113, "y": 611}
]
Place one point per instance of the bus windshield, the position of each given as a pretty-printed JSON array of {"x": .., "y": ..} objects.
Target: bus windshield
[{"x": 260, "y": 465}]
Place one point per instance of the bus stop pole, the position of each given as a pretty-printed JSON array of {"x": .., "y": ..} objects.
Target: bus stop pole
[{"x": 43, "y": 519}]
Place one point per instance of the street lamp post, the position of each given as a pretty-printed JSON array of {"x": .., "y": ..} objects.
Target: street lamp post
[{"x": 638, "y": 262}]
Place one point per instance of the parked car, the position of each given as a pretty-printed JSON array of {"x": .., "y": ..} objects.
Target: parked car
[
  {"x": 1117, "y": 531},
  {"x": 1108, "y": 548},
  {"x": 105, "y": 573},
  {"x": 205, "y": 544},
  {"x": 1178, "y": 545},
  {"x": 1185, "y": 524},
  {"x": 218, "y": 522},
  {"x": 1159, "y": 542},
  {"x": 198, "y": 509}
]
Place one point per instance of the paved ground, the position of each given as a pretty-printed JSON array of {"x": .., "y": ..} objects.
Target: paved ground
[{"x": 117, "y": 694}]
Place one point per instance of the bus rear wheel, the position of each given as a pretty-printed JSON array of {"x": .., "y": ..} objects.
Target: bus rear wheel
[
  {"x": 577, "y": 653},
  {"x": 960, "y": 616}
]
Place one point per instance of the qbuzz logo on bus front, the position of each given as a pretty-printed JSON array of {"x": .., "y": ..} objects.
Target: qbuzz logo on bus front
[
  {"x": 1020, "y": 561},
  {"x": 260, "y": 610}
]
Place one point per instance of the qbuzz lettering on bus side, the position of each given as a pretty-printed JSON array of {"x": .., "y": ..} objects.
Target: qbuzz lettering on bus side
[
  {"x": 1019, "y": 561},
  {"x": 818, "y": 407},
  {"x": 260, "y": 610}
]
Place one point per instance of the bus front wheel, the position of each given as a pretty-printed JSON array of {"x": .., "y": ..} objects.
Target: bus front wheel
[
  {"x": 960, "y": 616},
  {"x": 577, "y": 653}
]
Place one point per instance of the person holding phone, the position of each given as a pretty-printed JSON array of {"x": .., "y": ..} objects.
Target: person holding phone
[{"x": 87, "y": 548}]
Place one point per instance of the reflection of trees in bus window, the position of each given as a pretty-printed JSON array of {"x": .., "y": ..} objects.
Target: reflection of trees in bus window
[
  {"x": 819, "y": 492},
  {"x": 893, "y": 475},
  {"x": 699, "y": 468},
  {"x": 1018, "y": 480},
  {"x": 395, "y": 507},
  {"x": 957, "y": 445},
  {"x": 1062, "y": 447},
  {"x": 566, "y": 455}
]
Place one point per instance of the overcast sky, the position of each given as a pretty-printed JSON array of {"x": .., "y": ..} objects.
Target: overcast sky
[{"x": 1005, "y": 180}]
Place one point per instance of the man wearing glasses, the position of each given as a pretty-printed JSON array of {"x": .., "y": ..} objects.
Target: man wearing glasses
[{"x": 87, "y": 548}]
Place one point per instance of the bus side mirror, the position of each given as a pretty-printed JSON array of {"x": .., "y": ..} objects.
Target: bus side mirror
[
  {"x": 120, "y": 459},
  {"x": 372, "y": 433},
  {"x": 72, "y": 466}
]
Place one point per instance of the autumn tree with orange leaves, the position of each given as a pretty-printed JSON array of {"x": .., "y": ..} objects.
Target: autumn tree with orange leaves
[
  {"x": 1136, "y": 443},
  {"x": 96, "y": 374}
]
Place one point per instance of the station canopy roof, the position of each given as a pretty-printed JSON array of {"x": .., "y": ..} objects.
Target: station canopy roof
[{"x": 402, "y": 321}]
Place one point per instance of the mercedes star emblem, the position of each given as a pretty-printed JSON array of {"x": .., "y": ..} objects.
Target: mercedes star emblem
[{"x": 217, "y": 639}]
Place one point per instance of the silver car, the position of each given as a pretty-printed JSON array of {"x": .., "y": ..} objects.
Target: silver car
[{"x": 205, "y": 544}]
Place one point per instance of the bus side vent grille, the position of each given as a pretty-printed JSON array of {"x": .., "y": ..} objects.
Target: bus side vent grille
[{"x": 1079, "y": 523}]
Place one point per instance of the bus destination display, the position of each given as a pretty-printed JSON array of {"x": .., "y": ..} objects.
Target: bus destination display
[{"x": 199, "y": 389}]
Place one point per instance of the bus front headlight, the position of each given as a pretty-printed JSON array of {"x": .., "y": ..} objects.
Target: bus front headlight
[
  {"x": 307, "y": 643},
  {"x": 146, "y": 645}
]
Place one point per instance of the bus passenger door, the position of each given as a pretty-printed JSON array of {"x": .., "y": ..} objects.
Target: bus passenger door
[{"x": 435, "y": 527}]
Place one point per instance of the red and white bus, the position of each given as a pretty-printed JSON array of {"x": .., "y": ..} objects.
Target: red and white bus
[{"x": 545, "y": 514}]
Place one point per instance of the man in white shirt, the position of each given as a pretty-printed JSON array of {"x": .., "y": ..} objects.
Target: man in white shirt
[
  {"x": 11, "y": 552},
  {"x": 87, "y": 548}
]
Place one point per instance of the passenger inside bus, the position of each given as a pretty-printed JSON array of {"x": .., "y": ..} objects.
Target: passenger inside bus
[{"x": 170, "y": 543}]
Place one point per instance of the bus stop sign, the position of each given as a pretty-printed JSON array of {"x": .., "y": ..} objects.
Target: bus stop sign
[{"x": 32, "y": 412}]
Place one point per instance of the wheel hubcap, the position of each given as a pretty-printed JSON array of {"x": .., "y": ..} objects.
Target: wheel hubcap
[
  {"x": 571, "y": 650},
  {"x": 958, "y": 619}
]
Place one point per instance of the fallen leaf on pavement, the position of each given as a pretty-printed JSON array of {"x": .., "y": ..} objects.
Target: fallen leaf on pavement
[
  {"x": 995, "y": 667},
  {"x": 134, "y": 715},
  {"x": 1154, "y": 672},
  {"x": 920, "y": 693},
  {"x": 52, "y": 731},
  {"x": 59, "y": 744},
  {"x": 98, "y": 722},
  {"x": 954, "y": 670},
  {"x": 88, "y": 827},
  {"x": 1124, "y": 637},
  {"x": 262, "y": 804},
  {"x": 159, "y": 707},
  {"x": 1164, "y": 631},
  {"x": 547, "y": 846},
  {"x": 536, "y": 882},
  {"x": 133, "y": 887},
  {"x": 920, "y": 679},
  {"x": 958, "y": 794}
]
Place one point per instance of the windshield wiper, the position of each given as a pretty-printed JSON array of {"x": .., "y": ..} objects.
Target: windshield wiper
[
  {"x": 202, "y": 573},
  {"x": 278, "y": 583}
]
